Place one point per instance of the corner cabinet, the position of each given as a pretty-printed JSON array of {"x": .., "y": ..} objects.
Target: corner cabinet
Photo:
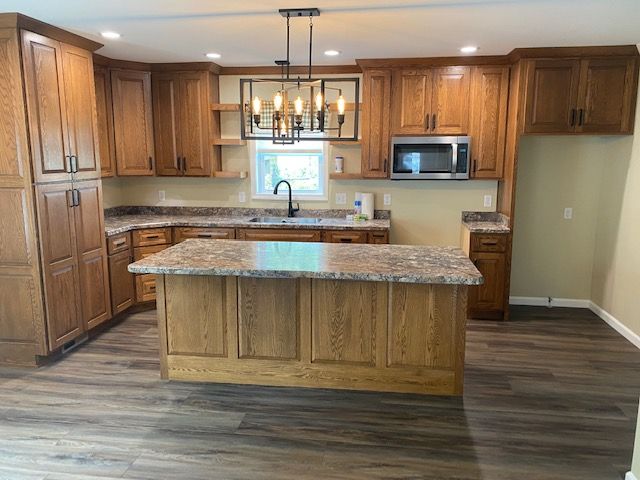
[
  {"x": 488, "y": 126},
  {"x": 590, "y": 95},
  {"x": 132, "y": 122},
  {"x": 376, "y": 105},
  {"x": 181, "y": 113}
]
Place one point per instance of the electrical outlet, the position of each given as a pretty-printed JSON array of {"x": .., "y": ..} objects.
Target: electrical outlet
[
  {"x": 488, "y": 200},
  {"x": 568, "y": 213},
  {"x": 162, "y": 195},
  {"x": 341, "y": 198},
  {"x": 242, "y": 197},
  {"x": 387, "y": 199}
]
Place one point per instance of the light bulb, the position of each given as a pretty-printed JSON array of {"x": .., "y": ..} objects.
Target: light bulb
[
  {"x": 298, "y": 104},
  {"x": 341, "y": 105},
  {"x": 277, "y": 101},
  {"x": 257, "y": 104},
  {"x": 319, "y": 102},
  {"x": 283, "y": 125}
]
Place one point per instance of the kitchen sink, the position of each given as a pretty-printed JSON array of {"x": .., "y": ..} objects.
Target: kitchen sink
[{"x": 303, "y": 220}]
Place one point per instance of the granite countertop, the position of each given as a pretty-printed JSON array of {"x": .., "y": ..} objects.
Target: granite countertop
[
  {"x": 392, "y": 263},
  {"x": 121, "y": 224},
  {"x": 486, "y": 222}
]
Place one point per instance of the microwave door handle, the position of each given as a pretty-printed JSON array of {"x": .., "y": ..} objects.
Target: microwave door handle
[{"x": 454, "y": 159}]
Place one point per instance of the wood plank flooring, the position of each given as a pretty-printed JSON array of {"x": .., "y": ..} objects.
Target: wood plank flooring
[{"x": 551, "y": 395}]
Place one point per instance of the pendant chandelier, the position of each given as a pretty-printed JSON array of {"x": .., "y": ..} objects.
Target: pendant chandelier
[{"x": 287, "y": 110}]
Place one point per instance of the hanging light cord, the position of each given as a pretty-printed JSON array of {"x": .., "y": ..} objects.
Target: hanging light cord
[
  {"x": 288, "y": 61},
  {"x": 310, "y": 41}
]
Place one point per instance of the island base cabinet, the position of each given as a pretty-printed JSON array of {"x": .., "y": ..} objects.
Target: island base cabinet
[{"x": 360, "y": 335}]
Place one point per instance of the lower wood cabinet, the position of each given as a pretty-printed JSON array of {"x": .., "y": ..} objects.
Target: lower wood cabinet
[
  {"x": 145, "y": 288},
  {"x": 147, "y": 242},
  {"x": 279, "y": 234},
  {"x": 345, "y": 236},
  {"x": 122, "y": 282},
  {"x": 182, "y": 233}
]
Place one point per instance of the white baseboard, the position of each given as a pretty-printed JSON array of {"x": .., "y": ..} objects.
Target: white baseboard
[
  {"x": 609, "y": 319},
  {"x": 550, "y": 302},
  {"x": 616, "y": 324},
  {"x": 630, "y": 476}
]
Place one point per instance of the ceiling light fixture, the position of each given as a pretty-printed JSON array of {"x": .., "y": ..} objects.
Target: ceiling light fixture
[
  {"x": 318, "y": 111},
  {"x": 213, "y": 55},
  {"x": 110, "y": 35},
  {"x": 469, "y": 49},
  {"x": 332, "y": 53}
]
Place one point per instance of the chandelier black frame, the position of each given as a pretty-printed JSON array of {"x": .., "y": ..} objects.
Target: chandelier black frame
[{"x": 287, "y": 125}]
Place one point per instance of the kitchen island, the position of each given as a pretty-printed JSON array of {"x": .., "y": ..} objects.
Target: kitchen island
[{"x": 366, "y": 317}]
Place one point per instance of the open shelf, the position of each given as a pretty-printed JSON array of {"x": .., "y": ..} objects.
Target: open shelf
[
  {"x": 229, "y": 141},
  {"x": 225, "y": 107},
  {"x": 345, "y": 176},
  {"x": 223, "y": 174}
]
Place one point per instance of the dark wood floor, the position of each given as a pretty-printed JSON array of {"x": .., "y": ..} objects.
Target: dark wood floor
[{"x": 551, "y": 395}]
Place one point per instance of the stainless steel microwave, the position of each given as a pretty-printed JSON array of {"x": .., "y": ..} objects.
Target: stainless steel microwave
[{"x": 430, "y": 158}]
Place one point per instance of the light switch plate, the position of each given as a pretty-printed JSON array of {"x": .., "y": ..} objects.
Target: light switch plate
[
  {"x": 162, "y": 195},
  {"x": 387, "y": 199},
  {"x": 341, "y": 198},
  {"x": 568, "y": 213},
  {"x": 242, "y": 197},
  {"x": 488, "y": 200}
]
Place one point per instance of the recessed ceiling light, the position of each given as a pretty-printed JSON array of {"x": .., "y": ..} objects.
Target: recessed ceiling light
[
  {"x": 332, "y": 53},
  {"x": 213, "y": 55},
  {"x": 110, "y": 35},
  {"x": 469, "y": 49}
]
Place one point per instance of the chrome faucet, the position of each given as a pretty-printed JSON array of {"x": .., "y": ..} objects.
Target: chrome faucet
[{"x": 292, "y": 210}]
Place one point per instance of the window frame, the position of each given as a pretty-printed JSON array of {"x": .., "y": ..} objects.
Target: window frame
[{"x": 283, "y": 194}]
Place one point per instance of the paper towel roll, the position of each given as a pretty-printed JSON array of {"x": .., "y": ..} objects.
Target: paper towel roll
[{"x": 367, "y": 204}]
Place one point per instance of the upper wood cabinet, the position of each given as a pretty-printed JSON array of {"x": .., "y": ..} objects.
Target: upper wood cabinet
[
  {"x": 591, "y": 95},
  {"x": 431, "y": 101},
  {"x": 104, "y": 108},
  {"x": 181, "y": 111},
  {"x": 376, "y": 105},
  {"x": 489, "y": 96},
  {"x": 132, "y": 122}
]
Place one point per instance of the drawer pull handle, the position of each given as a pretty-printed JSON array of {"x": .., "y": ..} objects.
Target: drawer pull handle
[
  {"x": 489, "y": 242},
  {"x": 118, "y": 243},
  {"x": 151, "y": 237},
  {"x": 152, "y": 288},
  {"x": 205, "y": 235},
  {"x": 346, "y": 240}
]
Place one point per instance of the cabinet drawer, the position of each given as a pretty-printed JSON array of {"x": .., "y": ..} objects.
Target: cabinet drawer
[
  {"x": 143, "y": 252},
  {"x": 121, "y": 281},
  {"x": 182, "y": 233},
  {"x": 379, "y": 237},
  {"x": 145, "y": 288},
  {"x": 119, "y": 243},
  {"x": 277, "y": 234},
  {"x": 488, "y": 243},
  {"x": 151, "y": 236},
  {"x": 345, "y": 236}
]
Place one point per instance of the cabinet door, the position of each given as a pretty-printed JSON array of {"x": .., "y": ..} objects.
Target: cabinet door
[
  {"x": 376, "y": 105},
  {"x": 489, "y": 95},
  {"x": 133, "y": 122},
  {"x": 281, "y": 235},
  {"x": 195, "y": 145},
  {"x": 59, "y": 263},
  {"x": 487, "y": 300},
  {"x": 450, "y": 101},
  {"x": 121, "y": 282},
  {"x": 412, "y": 93},
  {"x": 606, "y": 102},
  {"x": 166, "y": 106},
  {"x": 104, "y": 112},
  {"x": 552, "y": 94},
  {"x": 345, "y": 236},
  {"x": 81, "y": 112},
  {"x": 92, "y": 253},
  {"x": 46, "y": 107}
]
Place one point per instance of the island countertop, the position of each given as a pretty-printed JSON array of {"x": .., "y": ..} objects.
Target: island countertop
[{"x": 384, "y": 263}]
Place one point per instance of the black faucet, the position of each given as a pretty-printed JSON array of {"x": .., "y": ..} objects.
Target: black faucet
[{"x": 292, "y": 210}]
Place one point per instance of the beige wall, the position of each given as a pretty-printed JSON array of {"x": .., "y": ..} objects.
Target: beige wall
[{"x": 616, "y": 269}]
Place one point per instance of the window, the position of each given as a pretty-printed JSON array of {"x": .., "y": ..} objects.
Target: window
[{"x": 303, "y": 164}]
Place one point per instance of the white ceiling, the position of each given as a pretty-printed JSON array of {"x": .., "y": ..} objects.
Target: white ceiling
[{"x": 250, "y": 32}]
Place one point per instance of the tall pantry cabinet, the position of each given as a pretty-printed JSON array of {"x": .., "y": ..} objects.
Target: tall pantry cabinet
[{"x": 53, "y": 264}]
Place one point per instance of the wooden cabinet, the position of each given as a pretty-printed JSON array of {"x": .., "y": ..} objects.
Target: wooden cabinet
[
  {"x": 132, "y": 122},
  {"x": 119, "y": 243},
  {"x": 145, "y": 288},
  {"x": 152, "y": 236},
  {"x": 147, "y": 242},
  {"x": 182, "y": 233},
  {"x": 488, "y": 252},
  {"x": 591, "y": 95},
  {"x": 431, "y": 101},
  {"x": 379, "y": 237},
  {"x": 121, "y": 281},
  {"x": 279, "y": 234},
  {"x": 104, "y": 110},
  {"x": 345, "y": 236},
  {"x": 376, "y": 105},
  {"x": 488, "y": 125},
  {"x": 181, "y": 111}
]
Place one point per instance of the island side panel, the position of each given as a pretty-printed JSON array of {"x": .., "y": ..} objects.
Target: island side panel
[
  {"x": 460, "y": 337},
  {"x": 162, "y": 325}
]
